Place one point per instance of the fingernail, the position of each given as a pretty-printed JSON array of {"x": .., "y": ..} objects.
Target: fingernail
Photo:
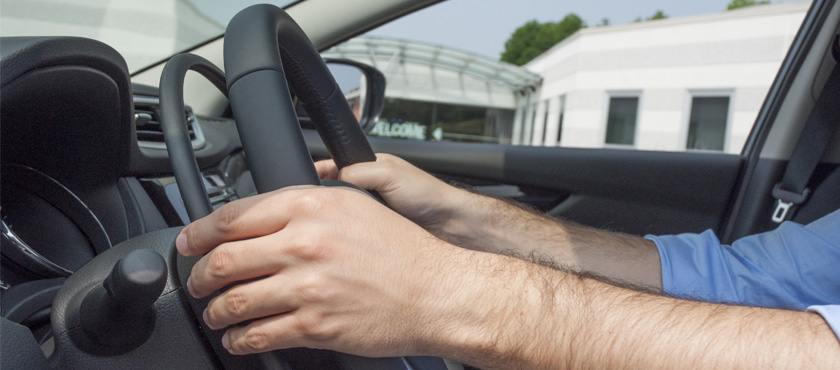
[
  {"x": 206, "y": 319},
  {"x": 226, "y": 341},
  {"x": 189, "y": 287},
  {"x": 181, "y": 243}
]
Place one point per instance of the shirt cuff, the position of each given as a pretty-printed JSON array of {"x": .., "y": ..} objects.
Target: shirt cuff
[
  {"x": 693, "y": 267},
  {"x": 831, "y": 314}
]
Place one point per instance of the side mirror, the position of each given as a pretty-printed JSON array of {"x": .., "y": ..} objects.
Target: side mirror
[{"x": 362, "y": 85}]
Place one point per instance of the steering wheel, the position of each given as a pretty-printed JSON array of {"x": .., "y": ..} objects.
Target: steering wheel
[
  {"x": 265, "y": 48},
  {"x": 128, "y": 307}
]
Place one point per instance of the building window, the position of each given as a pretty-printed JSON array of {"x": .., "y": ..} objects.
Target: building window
[
  {"x": 529, "y": 133},
  {"x": 560, "y": 119},
  {"x": 560, "y": 128},
  {"x": 621, "y": 120},
  {"x": 541, "y": 139},
  {"x": 707, "y": 125}
]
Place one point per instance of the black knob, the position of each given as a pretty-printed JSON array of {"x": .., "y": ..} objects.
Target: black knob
[
  {"x": 137, "y": 279},
  {"x": 119, "y": 314}
]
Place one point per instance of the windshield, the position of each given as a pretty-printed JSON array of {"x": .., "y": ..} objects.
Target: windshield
[{"x": 144, "y": 32}]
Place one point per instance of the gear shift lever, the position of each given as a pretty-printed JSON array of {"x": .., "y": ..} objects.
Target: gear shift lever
[{"x": 119, "y": 314}]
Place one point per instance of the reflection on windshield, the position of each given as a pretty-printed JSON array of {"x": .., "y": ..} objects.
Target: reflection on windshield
[{"x": 144, "y": 32}]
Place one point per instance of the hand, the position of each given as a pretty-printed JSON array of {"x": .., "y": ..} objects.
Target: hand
[
  {"x": 336, "y": 270},
  {"x": 411, "y": 192}
]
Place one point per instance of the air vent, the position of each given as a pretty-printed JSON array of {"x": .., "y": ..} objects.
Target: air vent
[{"x": 147, "y": 124}]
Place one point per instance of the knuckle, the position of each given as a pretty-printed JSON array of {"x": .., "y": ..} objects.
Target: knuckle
[
  {"x": 304, "y": 324},
  {"x": 390, "y": 161},
  {"x": 310, "y": 201},
  {"x": 309, "y": 293},
  {"x": 236, "y": 303},
  {"x": 315, "y": 328},
  {"x": 384, "y": 157},
  {"x": 314, "y": 290},
  {"x": 228, "y": 218},
  {"x": 324, "y": 333},
  {"x": 220, "y": 265},
  {"x": 310, "y": 247},
  {"x": 255, "y": 340}
]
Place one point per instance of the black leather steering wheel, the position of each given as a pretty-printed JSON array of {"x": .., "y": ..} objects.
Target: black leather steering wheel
[{"x": 265, "y": 48}]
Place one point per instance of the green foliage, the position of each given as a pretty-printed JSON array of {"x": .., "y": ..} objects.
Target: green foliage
[
  {"x": 658, "y": 15},
  {"x": 534, "y": 38},
  {"x": 735, "y": 4}
]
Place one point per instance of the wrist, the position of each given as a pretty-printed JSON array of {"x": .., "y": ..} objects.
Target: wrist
[
  {"x": 469, "y": 220},
  {"x": 462, "y": 313},
  {"x": 498, "y": 312}
]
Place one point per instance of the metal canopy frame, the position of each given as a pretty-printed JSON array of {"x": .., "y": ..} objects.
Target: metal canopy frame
[{"x": 376, "y": 49}]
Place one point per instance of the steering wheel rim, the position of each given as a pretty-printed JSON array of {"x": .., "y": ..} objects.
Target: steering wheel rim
[
  {"x": 174, "y": 126},
  {"x": 265, "y": 48}
]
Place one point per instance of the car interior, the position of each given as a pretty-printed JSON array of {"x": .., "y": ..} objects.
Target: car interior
[{"x": 98, "y": 164}]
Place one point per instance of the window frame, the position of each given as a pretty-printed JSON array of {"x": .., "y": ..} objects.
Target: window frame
[
  {"x": 689, "y": 105},
  {"x": 605, "y": 120}
]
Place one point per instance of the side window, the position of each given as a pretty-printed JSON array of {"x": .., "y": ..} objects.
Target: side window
[{"x": 537, "y": 73}]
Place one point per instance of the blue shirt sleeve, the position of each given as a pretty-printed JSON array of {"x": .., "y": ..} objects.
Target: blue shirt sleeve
[{"x": 791, "y": 267}]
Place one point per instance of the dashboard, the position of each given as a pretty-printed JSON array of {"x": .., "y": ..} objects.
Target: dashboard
[
  {"x": 84, "y": 167},
  {"x": 52, "y": 231}
]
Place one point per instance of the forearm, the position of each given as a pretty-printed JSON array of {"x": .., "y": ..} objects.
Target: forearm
[
  {"x": 637, "y": 330},
  {"x": 493, "y": 225},
  {"x": 481, "y": 223},
  {"x": 550, "y": 319}
]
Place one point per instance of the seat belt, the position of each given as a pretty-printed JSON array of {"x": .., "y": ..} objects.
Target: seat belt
[{"x": 792, "y": 191}]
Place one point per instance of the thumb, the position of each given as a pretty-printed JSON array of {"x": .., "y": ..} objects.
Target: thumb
[{"x": 372, "y": 176}]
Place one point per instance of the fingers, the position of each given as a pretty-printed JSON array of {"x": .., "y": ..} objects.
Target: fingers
[
  {"x": 327, "y": 170},
  {"x": 236, "y": 261},
  {"x": 249, "y": 301},
  {"x": 241, "y": 219},
  {"x": 290, "y": 330},
  {"x": 260, "y": 336}
]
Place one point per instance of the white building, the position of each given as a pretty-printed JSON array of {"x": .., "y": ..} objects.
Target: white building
[{"x": 675, "y": 84}]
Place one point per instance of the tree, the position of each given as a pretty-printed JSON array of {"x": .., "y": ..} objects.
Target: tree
[
  {"x": 735, "y": 4},
  {"x": 658, "y": 15},
  {"x": 534, "y": 38}
]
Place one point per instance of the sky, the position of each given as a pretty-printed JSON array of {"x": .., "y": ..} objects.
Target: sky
[{"x": 482, "y": 26}]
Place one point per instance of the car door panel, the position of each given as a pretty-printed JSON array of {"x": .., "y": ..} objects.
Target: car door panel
[{"x": 635, "y": 192}]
